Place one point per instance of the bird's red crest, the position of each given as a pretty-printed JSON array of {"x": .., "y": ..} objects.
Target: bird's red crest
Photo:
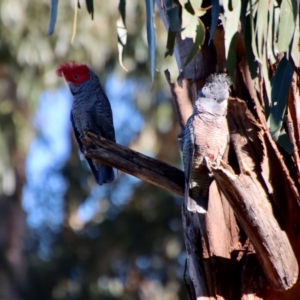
[{"x": 73, "y": 72}]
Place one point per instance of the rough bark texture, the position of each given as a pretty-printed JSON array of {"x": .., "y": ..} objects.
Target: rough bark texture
[
  {"x": 251, "y": 206},
  {"x": 134, "y": 163},
  {"x": 246, "y": 245},
  {"x": 248, "y": 249}
]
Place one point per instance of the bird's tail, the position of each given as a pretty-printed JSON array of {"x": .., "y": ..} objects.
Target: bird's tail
[
  {"x": 197, "y": 193},
  {"x": 194, "y": 206},
  {"x": 105, "y": 174}
]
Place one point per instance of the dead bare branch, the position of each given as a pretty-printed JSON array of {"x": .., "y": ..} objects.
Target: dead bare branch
[{"x": 134, "y": 163}]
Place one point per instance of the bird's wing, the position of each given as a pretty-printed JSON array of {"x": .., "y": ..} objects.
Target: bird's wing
[
  {"x": 188, "y": 149},
  {"x": 198, "y": 203},
  {"x": 102, "y": 117},
  {"x": 100, "y": 175},
  {"x": 76, "y": 132}
]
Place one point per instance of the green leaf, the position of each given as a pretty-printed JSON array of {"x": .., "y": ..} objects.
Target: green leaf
[
  {"x": 196, "y": 4},
  {"x": 122, "y": 10},
  {"x": 214, "y": 18},
  {"x": 122, "y": 32},
  {"x": 252, "y": 63},
  {"x": 189, "y": 8},
  {"x": 170, "y": 43},
  {"x": 261, "y": 31},
  {"x": 233, "y": 4},
  {"x": 122, "y": 40},
  {"x": 270, "y": 36},
  {"x": 252, "y": 5},
  {"x": 244, "y": 12},
  {"x": 168, "y": 4},
  {"x": 294, "y": 49},
  {"x": 285, "y": 143},
  {"x": 53, "y": 15},
  {"x": 281, "y": 83},
  {"x": 189, "y": 24},
  {"x": 151, "y": 35},
  {"x": 183, "y": 2},
  {"x": 286, "y": 25},
  {"x": 261, "y": 26},
  {"x": 90, "y": 7},
  {"x": 198, "y": 42},
  {"x": 231, "y": 57},
  {"x": 173, "y": 14},
  {"x": 231, "y": 25},
  {"x": 175, "y": 26},
  {"x": 265, "y": 74}
]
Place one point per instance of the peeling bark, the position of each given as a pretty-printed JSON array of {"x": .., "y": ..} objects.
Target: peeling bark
[{"x": 252, "y": 208}]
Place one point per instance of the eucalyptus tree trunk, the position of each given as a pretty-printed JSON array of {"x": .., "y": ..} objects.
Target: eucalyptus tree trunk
[{"x": 247, "y": 245}]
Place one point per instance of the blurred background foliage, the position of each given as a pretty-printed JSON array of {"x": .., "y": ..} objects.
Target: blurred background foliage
[{"x": 63, "y": 237}]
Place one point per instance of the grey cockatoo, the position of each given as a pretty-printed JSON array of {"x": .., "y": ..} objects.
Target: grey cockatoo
[
  {"x": 90, "y": 111},
  {"x": 205, "y": 135}
]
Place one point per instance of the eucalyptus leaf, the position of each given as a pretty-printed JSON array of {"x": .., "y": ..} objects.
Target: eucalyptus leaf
[
  {"x": 243, "y": 12},
  {"x": 53, "y": 16},
  {"x": 294, "y": 48},
  {"x": 122, "y": 10},
  {"x": 196, "y": 4},
  {"x": 252, "y": 14},
  {"x": 252, "y": 63},
  {"x": 151, "y": 35},
  {"x": 188, "y": 23},
  {"x": 265, "y": 74},
  {"x": 271, "y": 36},
  {"x": 215, "y": 10},
  {"x": 168, "y": 4},
  {"x": 122, "y": 40},
  {"x": 189, "y": 8},
  {"x": 261, "y": 26},
  {"x": 232, "y": 18},
  {"x": 183, "y": 2},
  {"x": 285, "y": 142},
  {"x": 170, "y": 43},
  {"x": 286, "y": 25},
  {"x": 198, "y": 42},
  {"x": 90, "y": 7},
  {"x": 173, "y": 14},
  {"x": 281, "y": 83}
]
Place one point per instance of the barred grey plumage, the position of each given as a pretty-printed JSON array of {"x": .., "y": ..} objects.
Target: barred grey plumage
[
  {"x": 90, "y": 111},
  {"x": 205, "y": 135}
]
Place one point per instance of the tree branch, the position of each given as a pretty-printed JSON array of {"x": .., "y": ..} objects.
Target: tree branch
[
  {"x": 182, "y": 99},
  {"x": 252, "y": 208},
  {"x": 131, "y": 162}
]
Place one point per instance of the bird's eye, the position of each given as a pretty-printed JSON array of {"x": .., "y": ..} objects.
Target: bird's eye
[{"x": 75, "y": 76}]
